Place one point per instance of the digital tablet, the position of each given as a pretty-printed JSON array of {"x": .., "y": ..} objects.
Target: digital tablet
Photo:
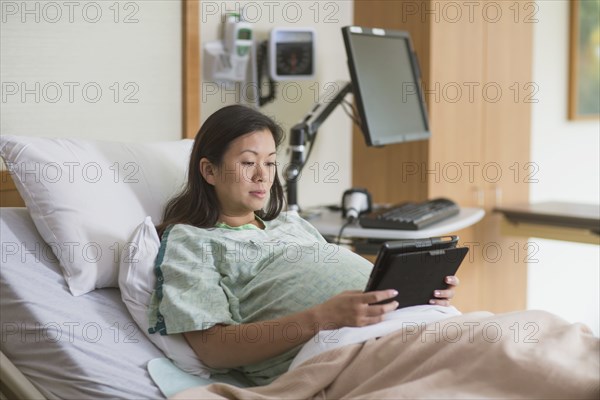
[
  {"x": 390, "y": 248},
  {"x": 416, "y": 273}
]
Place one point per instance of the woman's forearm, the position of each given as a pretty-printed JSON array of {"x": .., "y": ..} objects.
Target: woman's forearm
[{"x": 228, "y": 346}]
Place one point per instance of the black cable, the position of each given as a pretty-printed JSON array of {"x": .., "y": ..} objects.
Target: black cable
[
  {"x": 354, "y": 115},
  {"x": 314, "y": 138},
  {"x": 262, "y": 53},
  {"x": 344, "y": 107},
  {"x": 348, "y": 222},
  {"x": 354, "y": 112}
]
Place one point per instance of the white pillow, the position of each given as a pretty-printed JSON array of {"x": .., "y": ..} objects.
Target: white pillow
[
  {"x": 85, "y": 197},
  {"x": 137, "y": 281}
]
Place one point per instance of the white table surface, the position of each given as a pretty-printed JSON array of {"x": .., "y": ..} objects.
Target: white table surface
[{"x": 329, "y": 223}]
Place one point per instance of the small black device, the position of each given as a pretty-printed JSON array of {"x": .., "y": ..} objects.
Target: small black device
[
  {"x": 410, "y": 216},
  {"x": 416, "y": 268}
]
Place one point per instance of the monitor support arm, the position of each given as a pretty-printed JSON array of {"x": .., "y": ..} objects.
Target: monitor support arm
[{"x": 304, "y": 132}]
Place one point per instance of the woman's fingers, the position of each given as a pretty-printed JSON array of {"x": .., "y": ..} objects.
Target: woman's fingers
[
  {"x": 380, "y": 309},
  {"x": 442, "y": 297},
  {"x": 440, "y": 302},
  {"x": 452, "y": 280},
  {"x": 443, "y": 294},
  {"x": 378, "y": 295}
]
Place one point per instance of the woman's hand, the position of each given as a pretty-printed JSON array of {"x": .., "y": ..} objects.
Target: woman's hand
[
  {"x": 443, "y": 297},
  {"x": 354, "y": 308}
]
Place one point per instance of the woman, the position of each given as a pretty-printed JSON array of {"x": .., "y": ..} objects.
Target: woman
[{"x": 246, "y": 283}]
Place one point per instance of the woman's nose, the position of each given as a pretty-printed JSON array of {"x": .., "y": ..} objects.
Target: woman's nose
[{"x": 259, "y": 173}]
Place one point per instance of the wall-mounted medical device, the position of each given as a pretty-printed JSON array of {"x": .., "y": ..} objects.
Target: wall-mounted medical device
[
  {"x": 288, "y": 54},
  {"x": 292, "y": 53},
  {"x": 227, "y": 60}
]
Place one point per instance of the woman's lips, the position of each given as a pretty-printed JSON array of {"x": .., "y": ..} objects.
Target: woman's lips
[{"x": 258, "y": 193}]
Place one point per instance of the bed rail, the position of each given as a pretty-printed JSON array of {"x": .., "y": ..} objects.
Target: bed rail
[{"x": 13, "y": 384}]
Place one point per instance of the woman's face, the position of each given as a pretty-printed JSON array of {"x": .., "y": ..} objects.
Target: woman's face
[{"x": 243, "y": 181}]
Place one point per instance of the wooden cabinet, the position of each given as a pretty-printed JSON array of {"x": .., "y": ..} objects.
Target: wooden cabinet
[
  {"x": 9, "y": 196},
  {"x": 476, "y": 72}
]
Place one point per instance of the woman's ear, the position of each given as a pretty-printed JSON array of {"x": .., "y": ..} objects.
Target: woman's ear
[{"x": 208, "y": 171}]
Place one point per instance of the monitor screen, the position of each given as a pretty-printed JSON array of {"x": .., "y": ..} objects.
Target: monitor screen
[{"x": 386, "y": 85}]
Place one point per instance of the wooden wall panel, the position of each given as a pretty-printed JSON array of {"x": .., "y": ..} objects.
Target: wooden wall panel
[
  {"x": 456, "y": 118},
  {"x": 507, "y": 120},
  {"x": 385, "y": 171},
  {"x": 456, "y": 111},
  {"x": 508, "y": 56},
  {"x": 191, "y": 67},
  {"x": 9, "y": 196}
]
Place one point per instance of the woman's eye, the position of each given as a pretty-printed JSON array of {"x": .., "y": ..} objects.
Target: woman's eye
[
  {"x": 271, "y": 164},
  {"x": 247, "y": 163}
]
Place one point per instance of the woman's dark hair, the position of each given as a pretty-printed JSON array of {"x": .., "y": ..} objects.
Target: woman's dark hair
[{"x": 197, "y": 203}]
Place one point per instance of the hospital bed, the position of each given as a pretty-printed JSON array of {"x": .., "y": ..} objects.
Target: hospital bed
[{"x": 61, "y": 346}]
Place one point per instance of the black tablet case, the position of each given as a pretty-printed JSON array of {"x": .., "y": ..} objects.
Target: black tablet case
[{"x": 416, "y": 275}]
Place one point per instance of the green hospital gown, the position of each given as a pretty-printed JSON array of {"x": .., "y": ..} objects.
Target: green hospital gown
[{"x": 226, "y": 275}]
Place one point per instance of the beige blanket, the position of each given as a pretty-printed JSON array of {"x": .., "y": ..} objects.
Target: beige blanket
[{"x": 530, "y": 354}]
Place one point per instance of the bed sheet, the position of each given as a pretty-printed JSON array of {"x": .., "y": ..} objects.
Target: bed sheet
[{"x": 68, "y": 347}]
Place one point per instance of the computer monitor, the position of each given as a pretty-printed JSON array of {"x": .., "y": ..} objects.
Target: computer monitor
[{"x": 386, "y": 85}]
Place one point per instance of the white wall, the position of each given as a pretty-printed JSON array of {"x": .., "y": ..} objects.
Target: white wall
[
  {"x": 56, "y": 55},
  {"x": 328, "y": 171},
  {"x": 566, "y": 278}
]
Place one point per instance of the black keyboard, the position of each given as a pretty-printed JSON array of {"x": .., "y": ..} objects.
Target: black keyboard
[{"x": 410, "y": 216}]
